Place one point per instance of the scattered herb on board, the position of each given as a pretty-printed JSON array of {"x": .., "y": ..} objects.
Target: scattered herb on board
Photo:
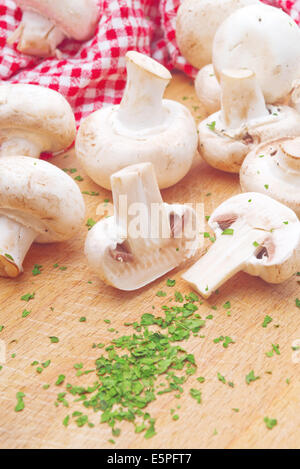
[
  {"x": 267, "y": 321},
  {"x": 20, "y": 402},
  {"x": 54, "y": 340},
  {"x": 139, "y": 367},
  {"x": 250, "y": 377},
  {"x": 37, "y": 269},
  {"x": 28, "y": 297},
  {"x": 270, "y": 423},
  {"x": 297, "y": 302}
]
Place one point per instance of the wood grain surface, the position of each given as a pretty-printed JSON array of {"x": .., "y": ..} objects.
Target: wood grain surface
[{"x": 63, "y": 296}]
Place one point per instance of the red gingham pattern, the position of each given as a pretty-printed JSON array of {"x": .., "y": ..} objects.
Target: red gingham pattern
[{"x": 93, "y": 73}]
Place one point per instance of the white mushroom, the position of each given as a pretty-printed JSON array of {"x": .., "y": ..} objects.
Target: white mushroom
[
  {"x": 208, "y": 89},
  {"x": 46, "y": 23},
  {"x": 243, "y": 122},
  {"x": 145, "y": 238},
  {"x": 38, "y": 203},
  {"x": 273, "y": 168},
  {"x": 34, "y": 119},
  {"x": 265, "y": 40},
  {"x": 144, "y": 128},
  {"x": 255, "y": 234},
  {"x": 197, "y": 23}
]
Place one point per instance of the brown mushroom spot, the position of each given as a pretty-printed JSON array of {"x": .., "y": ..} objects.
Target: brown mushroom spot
[
  {"x": 247, "y": 139},
  {"x": 121, "y": 253},
  {"x": 225, "y": 221},
  {"x": 267, "y": 249}
]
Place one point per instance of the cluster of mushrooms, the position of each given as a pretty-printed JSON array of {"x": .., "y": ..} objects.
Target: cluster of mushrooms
[{"x": 148, "y": 143}]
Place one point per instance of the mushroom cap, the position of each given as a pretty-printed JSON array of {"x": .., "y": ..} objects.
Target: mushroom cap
[
  {"x": 40, "y": 196},
  {"x": 104, "y": 149},
  {"x": 282, "y": 228},
  {"x": 273, "y": 168},
  {"x": 208, "y": 89},
  {"x": 78, "y": 19},
  {"x": 156, "y": 260},
  {"x": 39, "y": 111},
  {"x": 197, "y": 23},
  {"x": 226, "y": 150},
  {"x": 263, "y": 39}
]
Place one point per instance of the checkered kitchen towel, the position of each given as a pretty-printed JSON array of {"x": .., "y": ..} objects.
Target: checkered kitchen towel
[{"x": 93, "y": 73}]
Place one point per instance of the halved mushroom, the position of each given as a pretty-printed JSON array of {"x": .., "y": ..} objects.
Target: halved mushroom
[
  {"x": 197, "y": 23},
  {"x": 34, "y": 119},
  {"x": 208, "y": 89},
  {"x": 255, "y": 234},
  {"x": 144, "y": 128},
  {"x": 264, "y": 39},
  {"x": 145, "y": 238},
  {"x": 46, "y": 23},
  {"x": 245, "y": 121},
  {"x": 273, "y": 168},
  {"x": 38, "y": 203}
]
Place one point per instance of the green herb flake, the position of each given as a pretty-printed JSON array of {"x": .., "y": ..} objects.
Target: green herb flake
[
  {"x": 297, "y": 302},
  {"x": 82, "y": 319},
  {"x": 20, "y": 402},
  {"x": 36, "y": 269},
  {"x": 25, "y": 313},
  {"x": 250, "y": 377},
  {"x": 270, "y": 423},
  {"x": 28, "y": 297},
  {"x": 161, "y": 293},
  {"x": 54, "y": 340},
  {"x": 212, "y": 125},
  {"x": 60, "y": 380},
  {"x": 90, "y": 223},
  {"x": 228, "y": 231},
  {"x": 267, "y": 321},
  {"x": 170, "y": 283}
]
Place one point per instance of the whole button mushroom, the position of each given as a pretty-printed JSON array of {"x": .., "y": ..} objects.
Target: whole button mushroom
[
  {"x": 208, "y": 89},
  {"x": 46, "y": 23},
  {"x": 38, "y": 203},
  {"x": 255, "y": 234},
  {"x": 197, "y": 23},
  {"x": 144, "y": 128},
  {"x": 265, "y": 40},
  {"x": 145, "y": 238},
  {"x": 245, "y": 121},
  {"x": 273, "y": 168},
  {"x": 34, "y": 119}
]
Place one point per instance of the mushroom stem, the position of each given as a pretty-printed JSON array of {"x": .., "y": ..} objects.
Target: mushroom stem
[
  {"x": 20, "y": 145},
  {"x": 142, "y": 106},
  {"x": 139, "y": 209},
  {"x": 15, "y": 241},
  {"x": 241, "y": 98},
  {"x": 227, "y": 256},
  {"x": 37, "y": 35},
  {"x": 289, "y": 154}
]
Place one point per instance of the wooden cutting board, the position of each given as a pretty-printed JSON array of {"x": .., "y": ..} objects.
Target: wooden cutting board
[{"x": 63, "y": 296}]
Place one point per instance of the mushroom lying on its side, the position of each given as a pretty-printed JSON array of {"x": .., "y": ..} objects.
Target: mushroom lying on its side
[
  {"x": 226, "y": 137},
  {"x": 273, "y": 168},
  {"x": 255, "y": 234},
  {"x": 145, "y": 238},
  {"x": 208, "y": 89},
  {"x": 34, "y": 119},
  {"x": 38, "y": 203},
  {"x": 46, "y": 23},
  {"x": 196, "y": 25},
  {"x": 144, "y": 128}
]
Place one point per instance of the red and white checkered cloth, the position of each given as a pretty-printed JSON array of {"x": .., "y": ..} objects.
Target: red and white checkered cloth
[{"x": 93, "y": 73}]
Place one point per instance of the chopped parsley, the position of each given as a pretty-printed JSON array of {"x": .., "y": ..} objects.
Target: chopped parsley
[
  {"x": 267, "y": 321},
  {"x": 270, "y": 423},
  {"x": 20, "y": 402},
  {"x": 212, "y": 125},
  {"x": 36, "y": 269},
  {"x": 28, "y": 297},
  {"x": 250, "y": 377}
]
